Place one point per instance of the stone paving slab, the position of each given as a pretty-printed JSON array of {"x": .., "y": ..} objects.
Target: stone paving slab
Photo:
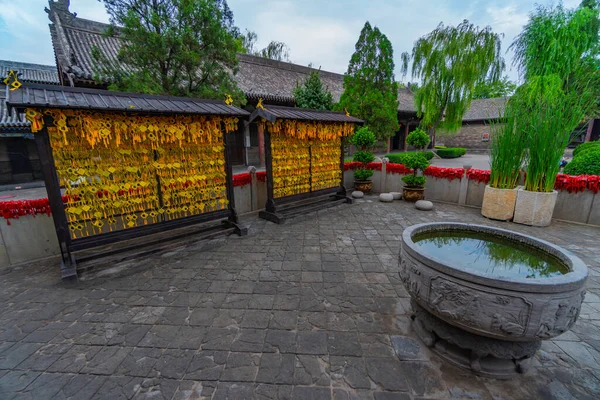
[{"x": 313, "y": 309}]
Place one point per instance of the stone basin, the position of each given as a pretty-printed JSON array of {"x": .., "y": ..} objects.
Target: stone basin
[{"x": 486, "y": 300}]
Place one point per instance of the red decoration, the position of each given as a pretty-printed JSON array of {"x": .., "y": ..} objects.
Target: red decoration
[
  {"x": 479, "y": 175},
  {"x": 444, "y": 173},
  {"x": 574, "y": 184},
  {"x": 392, "y": 168},
  {"x": 352, "y": 165},
  {"x": 242, "y": 179},
  {"x": 261, "y": 176}
]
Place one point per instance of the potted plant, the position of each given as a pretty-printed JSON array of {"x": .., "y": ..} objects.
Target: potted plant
[
  {"x": 507, "y": 153},
  {"x": 414, "y": 185},
  {"x": 364, "y": 140}
]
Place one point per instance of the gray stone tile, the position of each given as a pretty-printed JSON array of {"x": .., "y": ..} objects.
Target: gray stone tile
[
  {"x": 312, "y": 343},
  {"x": 387, "y": 373},
  {"x": 258, "y": 319},
  {"x": 17, "y": 353},
  {"x": 311, "y": 393},
  {"x": 118, "y": 387},
  {"x": 277, "y": 369},
  {"x": 207, "y": 366},
  {"x": 233, "y": 391},
  {"x": 241, "y": 367},
  {"x": 81, "y": 387},
  {"x": 45, "y": 386},
  {"x": 312, "y": 370},
  {"x": 349, "y": 371},
  {"x": 106, "y": 361},
  {"x": 271, "y": 392},
  {"x": 172, "y": 364},
  {"x": 15, "y": 381},
  {"x": 139, "y": 362},
  {"x": 277, "y": 341},
  {"x": 251, "y": 340},
  {"x": 343, "y": 344}
]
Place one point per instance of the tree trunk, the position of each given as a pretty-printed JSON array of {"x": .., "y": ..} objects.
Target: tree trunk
[{"x": 432, "y": 135}]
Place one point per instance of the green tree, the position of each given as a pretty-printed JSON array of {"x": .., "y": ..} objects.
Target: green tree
[
  {"x": 172, "y": 47},
  {"x": 275, "y": 50},
  {"x": 312, "y": 94},
  {"x": 491, "y": 89},
  {"x": 449, "y": 62},
  {"x": 370, "y": 91}
]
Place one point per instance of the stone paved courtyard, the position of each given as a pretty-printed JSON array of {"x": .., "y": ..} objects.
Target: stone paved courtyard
[{"x": 308, "y": 310}]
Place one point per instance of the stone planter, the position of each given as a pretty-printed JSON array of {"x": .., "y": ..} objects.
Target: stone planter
[
  {"x": 534, "y": 208},
  {"x": 363, "y": 186},
  {"x": 490, "y": 324},
  {"x": 413, "y": 194},
  {"x": 499, "y": 203}
]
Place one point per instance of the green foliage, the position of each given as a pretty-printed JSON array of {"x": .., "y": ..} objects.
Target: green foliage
[
  {"x": 370, "y": 90},
  {"x": 415, "y": 182},
  {"x": 452, "y": 152},
  {"x": 440, "y": 147},
  {"x": 363, "y": 138},
  {"x": 172, "y": 47},
  {"x": 489, "y": 89},
  {"x": 558, "y": 54},
  {"x": 418, "y": 139},
  {"x": 416, "y": 161},
  {"x": 400, "y": 158},
  {"x": 507, "y": 151},
  {"x": 587, "y": 163},
  {"x": 450, "y": 61},
  {"x": 585, "y": 147},
  {"x": 363, "y": 174},
  {"x": 363, "y": 157},
  {"x": 312, "y": 94}
]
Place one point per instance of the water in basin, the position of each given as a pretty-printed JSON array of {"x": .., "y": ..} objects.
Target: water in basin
[{"x": 490, "y": 254}]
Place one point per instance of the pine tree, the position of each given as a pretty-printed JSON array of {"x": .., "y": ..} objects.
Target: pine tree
[
  {"x": 370, "y": 90},
  {"x": 172, "y": 47},
  {"x": 312, "y": 94},
  {"x": 450, "y": 61}
]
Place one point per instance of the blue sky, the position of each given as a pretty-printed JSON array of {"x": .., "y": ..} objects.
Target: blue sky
[{"x": 319, "y": 32}]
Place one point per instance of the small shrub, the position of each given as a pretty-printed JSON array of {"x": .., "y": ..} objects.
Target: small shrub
[
  {"x": 585, "y": 147},
  {"x": 416, "y": 161},
  {"x": 400, "y": 158},
  {"x": 587, "y": 163},
  {"x": 452, "y": 152},
  {"x": 439, "y": 147},
  {"x": 412, "y": 181},
  {"x": 363, "y": 174},
  {"x": 363, "y": 157},
  {"x": 363, "y": 138},
  {"x": 418, "y": 138}
]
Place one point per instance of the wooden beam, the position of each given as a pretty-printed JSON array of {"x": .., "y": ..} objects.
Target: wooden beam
[{"x": 588, "y": 135}]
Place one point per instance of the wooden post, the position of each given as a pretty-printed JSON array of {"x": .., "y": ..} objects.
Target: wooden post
[
  {"x": 261, "y": 144},
  {"x": 253, "y": 189},
  {"x": 227, "y": 141},
  {"x": 588, "y": 135},
  {"x": 464, "y": 186},
  {"x": 68, "y": 268},
  {"x": 405, "y": 135},
  {"x": 270, "y": 205}
]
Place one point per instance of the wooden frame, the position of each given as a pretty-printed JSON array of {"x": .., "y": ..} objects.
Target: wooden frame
[{"x": 68, "y": 245}]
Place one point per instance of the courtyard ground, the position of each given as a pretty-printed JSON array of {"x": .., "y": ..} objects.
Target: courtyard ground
[{"x": 307, "y": 310}]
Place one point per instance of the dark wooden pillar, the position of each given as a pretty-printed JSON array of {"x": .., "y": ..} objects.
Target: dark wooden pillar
[
  {"x": 406, "y": 128},
  {"x": 588, "y": 135},
  {"x": 270, "y": 206},
  {"x": 261, "y": 144},
  {"x": 68, "y": 268},
  {"x": 228, "y": 140}
]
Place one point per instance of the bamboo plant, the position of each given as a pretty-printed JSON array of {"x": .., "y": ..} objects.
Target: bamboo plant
[{"x": 507, "y": 152}]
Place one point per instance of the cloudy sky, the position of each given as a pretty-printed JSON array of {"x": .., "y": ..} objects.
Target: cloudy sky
[{"x": 319, "y": 32}]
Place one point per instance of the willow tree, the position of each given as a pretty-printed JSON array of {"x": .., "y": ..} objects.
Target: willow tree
[
  {"x": 450, "y": 61},
  {"x": 370, "y": 90}
]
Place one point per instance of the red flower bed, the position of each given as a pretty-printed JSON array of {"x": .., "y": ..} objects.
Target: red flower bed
[
  {"x": 374, "y": 166},
  {"x": 242, "y": 179},
  {"x": 15, "y": 209},
  {"x": 261, "y": 176},
  {"x": 573, "y": 184},
  {"x": 398, "y": 169},
  {"x": 479, "y": 175},
  {"x": 444, "y": 173},
  {"x": 351, "y": 165}
]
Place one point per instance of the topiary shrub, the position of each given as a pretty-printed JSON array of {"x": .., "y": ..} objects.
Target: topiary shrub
[
  {"x": 363, "y": 157},
  {"x": 400, "y": 158},
  {"x": 452, "y": 152},
  {"x": 363, "y": 174},
  {"x": 418, "y": 139},
  {"x": 585, "y": 147},
  {"x": 586, "y": 163},
  {"x": 439, "y": 147},
  {"x": 416, "y": 161}
]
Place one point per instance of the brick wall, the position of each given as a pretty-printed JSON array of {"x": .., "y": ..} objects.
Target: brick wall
[{"x": 469, "y": 137}]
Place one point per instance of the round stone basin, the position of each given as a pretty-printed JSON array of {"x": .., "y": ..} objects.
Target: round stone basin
[{"x": 492, "y": 282}]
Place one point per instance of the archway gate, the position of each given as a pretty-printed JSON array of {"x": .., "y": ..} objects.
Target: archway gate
[
  {"x": 130, "y": 165},
  {"x": 304, "y": 157}
]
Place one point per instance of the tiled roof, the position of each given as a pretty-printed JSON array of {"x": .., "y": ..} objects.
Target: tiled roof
[
  {"x": 65, "y": 97},
  {"x": 273, "y": 81},
  {"x": 272, "y": 113},
  {"x": 32, "y": 73},
  {"x": 485, "y": 109}
]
